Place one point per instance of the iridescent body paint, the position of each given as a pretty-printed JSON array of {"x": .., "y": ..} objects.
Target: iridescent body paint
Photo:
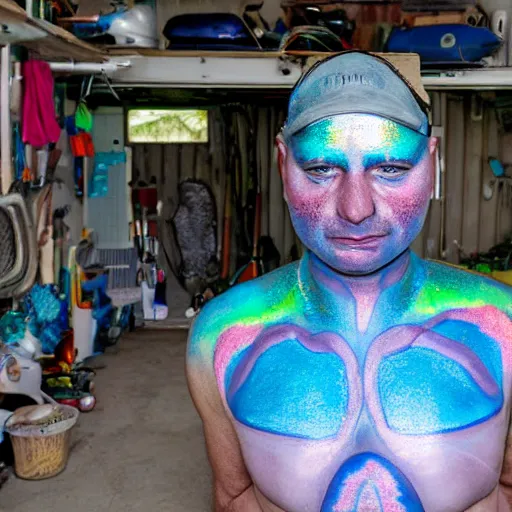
[{"x": 362, "y": 378}]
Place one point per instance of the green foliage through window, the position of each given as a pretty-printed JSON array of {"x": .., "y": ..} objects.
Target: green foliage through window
[{"x": 167, "y": 126}]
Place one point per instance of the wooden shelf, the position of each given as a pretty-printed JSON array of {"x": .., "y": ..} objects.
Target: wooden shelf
[
  {"x": 47, "y": 41},
  {"x": 143, "y": 67},
  {"x": 10, "y": 11},
  {"x": 61, "y": 45}
]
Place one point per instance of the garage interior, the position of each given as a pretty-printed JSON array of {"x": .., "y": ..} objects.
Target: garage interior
[{"x": 142, "y": 443}]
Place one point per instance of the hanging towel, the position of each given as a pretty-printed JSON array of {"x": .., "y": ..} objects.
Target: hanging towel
[{"x": 40, "y": 125}]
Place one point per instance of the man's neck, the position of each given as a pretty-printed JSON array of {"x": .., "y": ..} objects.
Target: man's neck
[{"x": 365, "y": 290}]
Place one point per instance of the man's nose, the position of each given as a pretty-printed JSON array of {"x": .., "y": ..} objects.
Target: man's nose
[{"x": 355, "y": 198}]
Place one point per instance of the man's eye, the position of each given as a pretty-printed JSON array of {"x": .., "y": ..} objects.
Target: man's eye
[
  {"x": 321, "y": 172},
  {"x": 391, "y": 171}
]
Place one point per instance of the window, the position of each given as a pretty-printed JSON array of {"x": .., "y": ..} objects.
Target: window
[{"x": 167, "y": 126}]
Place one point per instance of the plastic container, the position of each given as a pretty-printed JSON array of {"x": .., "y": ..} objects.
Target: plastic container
[{"x": 42, "y": 452}]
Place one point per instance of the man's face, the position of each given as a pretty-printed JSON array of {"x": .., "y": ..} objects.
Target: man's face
[{"x": 358, "y": 188}]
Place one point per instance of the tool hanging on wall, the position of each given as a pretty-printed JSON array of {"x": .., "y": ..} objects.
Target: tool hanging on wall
[{"x": 253, "y": 268}]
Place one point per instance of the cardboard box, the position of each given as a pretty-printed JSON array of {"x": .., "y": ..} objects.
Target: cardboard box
[
  {"x": 471, "y": 16},
  {"x": 440, "y": 19}
]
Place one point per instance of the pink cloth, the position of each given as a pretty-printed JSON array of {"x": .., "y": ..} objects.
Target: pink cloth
[{"x": 39, "y": 120}]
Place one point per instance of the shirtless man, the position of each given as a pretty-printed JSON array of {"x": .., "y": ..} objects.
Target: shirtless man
[{"x": 361, "y": 378}]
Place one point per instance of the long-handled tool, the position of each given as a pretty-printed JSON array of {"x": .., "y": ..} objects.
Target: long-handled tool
[{"x": 254, "y": 268}]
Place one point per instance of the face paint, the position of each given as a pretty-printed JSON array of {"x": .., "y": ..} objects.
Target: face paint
[
  {"x": 358, "y": 188},
  {"x": 332, "y": 140}
]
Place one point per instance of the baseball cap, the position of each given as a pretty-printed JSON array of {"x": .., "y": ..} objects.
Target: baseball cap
[{"x": 355, "y": 82}]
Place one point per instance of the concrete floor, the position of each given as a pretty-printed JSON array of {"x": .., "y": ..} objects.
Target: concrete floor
[{"x": 141, "y": 449}]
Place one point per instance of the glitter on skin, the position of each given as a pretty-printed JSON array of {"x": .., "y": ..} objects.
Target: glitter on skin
[
  {"x": 355, "y": 176},
  {"x": 374, "y": 476},
  {"x": 367, "y": 482},
  {"x": 437, "y": 388},
  {"x": 420, "y": 307},
  {"x": 381, "y": 141},
  {"x": 293, "y": 391}
]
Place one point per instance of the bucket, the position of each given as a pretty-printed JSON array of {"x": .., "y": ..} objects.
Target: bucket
[
  {"x": 42, "y": 451},
  {"x": 503, "y": 276}
]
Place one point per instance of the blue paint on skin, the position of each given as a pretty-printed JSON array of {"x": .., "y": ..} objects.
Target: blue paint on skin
[
  {"x": 295, "y": 392},
  {"x": 233, "y": 364},
  {"x": 423, "y": 392},
  {"x": 368, "y": 469},
  {"x": 357, "y": 176},
  {"x": 486, "y": 348},
  {"x": 324, "y": 142}
]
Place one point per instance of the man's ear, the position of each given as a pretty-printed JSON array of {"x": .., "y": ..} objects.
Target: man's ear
[
  {"x": 433, "y": 148},
  {"x": 282, "y": 153},
  {"x": 433, "y": 143}
]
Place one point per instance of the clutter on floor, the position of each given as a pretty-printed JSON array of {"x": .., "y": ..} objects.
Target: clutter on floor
[
  {"x": 61, "y": 304},
  {"x": 496, "y": 262},
  {"x": 143, "y": 450},
  {"x": 40, "y": 436}
]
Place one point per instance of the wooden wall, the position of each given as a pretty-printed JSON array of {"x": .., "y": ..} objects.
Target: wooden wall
[
  {"x": 172, "y": 163},
  {"x": 461, "y": 219},
  {"x": 469, "y": 222}
]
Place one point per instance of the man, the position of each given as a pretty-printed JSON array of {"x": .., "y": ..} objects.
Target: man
[{"x": 361, "y": 378}]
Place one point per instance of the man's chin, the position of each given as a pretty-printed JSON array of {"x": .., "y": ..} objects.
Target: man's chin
[{"x": 357, "y": 263}]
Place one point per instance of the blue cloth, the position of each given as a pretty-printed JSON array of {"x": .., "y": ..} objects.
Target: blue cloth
[
  {"x": 98, "y": 186},
  {"x": 46, "y": 319}
]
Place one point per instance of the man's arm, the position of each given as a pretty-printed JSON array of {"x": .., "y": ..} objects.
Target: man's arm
[
  {"x": 506, "y": 474},
  {"x": 233, "y": 488}
]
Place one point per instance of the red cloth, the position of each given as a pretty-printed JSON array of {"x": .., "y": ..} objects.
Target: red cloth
[{"x": 39, "y": 120}]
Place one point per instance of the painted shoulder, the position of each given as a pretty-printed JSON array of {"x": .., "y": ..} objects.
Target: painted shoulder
[
  {"x": 264, "y": 300},
  {"x": 450, "y": 287}
]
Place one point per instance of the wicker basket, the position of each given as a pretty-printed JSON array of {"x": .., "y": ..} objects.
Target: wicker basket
[{"x": 42, "y": 452}]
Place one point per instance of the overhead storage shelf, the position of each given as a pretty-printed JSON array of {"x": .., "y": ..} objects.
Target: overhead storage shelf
[
  {"x": 46, "y": 40},
  {"x": 194, "y": 69},
  {"x": 10, "y": 11},
  {"x": 476, "y": 79},
  {"x": 258, "y": 70},
  {"x": 60, "y": 45}
]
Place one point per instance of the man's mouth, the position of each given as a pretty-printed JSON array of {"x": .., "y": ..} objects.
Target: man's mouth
[{"x": 359, "y": 242}]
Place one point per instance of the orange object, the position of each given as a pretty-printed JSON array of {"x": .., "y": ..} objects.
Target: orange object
[
  {"x": 88, "y": 144},
  {"x": 27, "y": 175},
  {"x": 65, "y": 351},
  {"x": 82, "y": 145},
  {"x": 77, "y": 147}
]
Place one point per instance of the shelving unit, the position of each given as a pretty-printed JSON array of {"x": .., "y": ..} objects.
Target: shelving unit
[
  {"x": 10, "y": 11},
  {"x": 44, "y": 39},
  {"x": 131, "y": 67},
  {"x": 259, "y": 70}
]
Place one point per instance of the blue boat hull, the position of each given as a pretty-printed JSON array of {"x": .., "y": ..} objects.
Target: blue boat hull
[
  {"x": 445, "y": 43},
  {"x": 216, "y": 31}
]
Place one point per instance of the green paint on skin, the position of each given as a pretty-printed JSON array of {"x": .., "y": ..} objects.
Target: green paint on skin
[
  {"x": 332, "y": 141},
  {"x": 445, "y": 292},
  {"x": 287, "y": 296},
  {"x": 241, "y": 307}
]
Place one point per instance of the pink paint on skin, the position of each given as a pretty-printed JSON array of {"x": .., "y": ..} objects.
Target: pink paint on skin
[
  {"x": 356, "y": 213},
  {"x": 369, "y": 489},
  {"x": 489, "y": 319},
  {"x": 230, "y": 342}
]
